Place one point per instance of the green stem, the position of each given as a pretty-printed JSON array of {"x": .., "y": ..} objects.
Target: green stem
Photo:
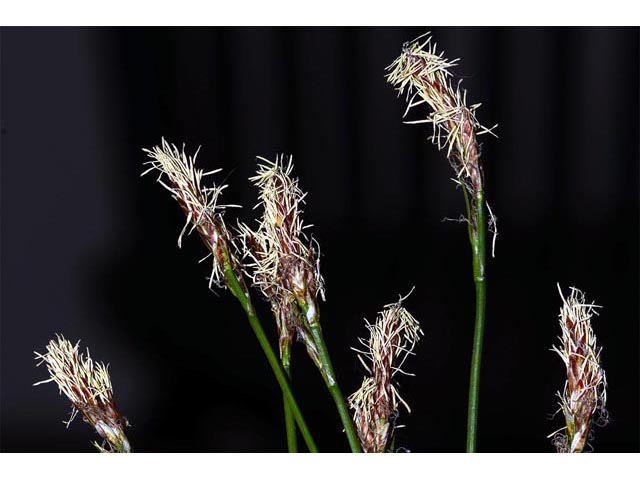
[
  {"x": 334, "y": 389},
  {"x": 289, "y": 421},
  {"x": 477, "y": 236},
  {"x": 245, "y": 300},
  {"x": 313, "y": 320}
]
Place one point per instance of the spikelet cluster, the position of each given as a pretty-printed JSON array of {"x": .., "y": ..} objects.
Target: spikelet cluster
[
  {"x": 375, "y": 404},
  {"x": 88, "y": 386},
  {"x": 200, "y": 204},
  {"x": 284, "y": 263},
  {"x": 584, "y": 395},
  {"x": 425, "y": 76}
]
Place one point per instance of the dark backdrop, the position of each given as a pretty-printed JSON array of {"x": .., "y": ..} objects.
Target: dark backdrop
[{"x": 89, "y": 248}]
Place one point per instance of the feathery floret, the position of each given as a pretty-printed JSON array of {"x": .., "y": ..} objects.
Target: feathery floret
[
  {"x": 88, "y": 386},
  {"x": 584, "y": 392},
  {"x": 375, "y": 404},
  {"x": 200, "y": 204},
  {"x": 426, "y": 77},
  {"x": 285, "y": 264}
]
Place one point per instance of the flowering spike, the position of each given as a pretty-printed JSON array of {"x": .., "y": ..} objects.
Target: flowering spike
[
  {"x": 375, "y": 404},
  {"x": 88, "y": 386},
  {"x": 199, "y": 204},
  {"x": 285, "y": 263},
  {"x": 425, "y": 74},
  {"x": 584, "y": 392}
]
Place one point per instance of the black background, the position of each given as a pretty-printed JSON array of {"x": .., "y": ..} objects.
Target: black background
[{"x": 89, "y": 248}]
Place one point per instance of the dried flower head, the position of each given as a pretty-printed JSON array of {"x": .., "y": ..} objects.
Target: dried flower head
[
  {"x": 375, "y": 404},
  {"x": 200, "y": 204},
  {"x": 88, "y": 385},
  {"x": 426, "y": 77},
  {"x": 584, "y": 393},
  {"x": 285, "y": 264}
]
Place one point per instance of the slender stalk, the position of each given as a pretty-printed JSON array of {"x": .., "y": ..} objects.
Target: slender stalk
[
  {"x": 424, "y": 74},
  {"x": 326, "y": 369},
  {"x": 477, "y": 237},
  {"x": 236, "y": 289},
  {"x": 334, "y": 389},
  {"x": 289, "y": 421}
]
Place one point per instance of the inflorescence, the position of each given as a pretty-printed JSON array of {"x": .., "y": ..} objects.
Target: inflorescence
[
  {"x": 284, "y": 261},
  {"x": 88, "y": 386},
  {"x": 200, "y": 204},
  {"x": 584, "y": 393},
  {"x": 375, "y": 404}
]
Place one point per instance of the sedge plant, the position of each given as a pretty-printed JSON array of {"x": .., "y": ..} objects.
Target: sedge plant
[
  {"x": 426, "y": 78},
  {"x": 284, "y": 265}
]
